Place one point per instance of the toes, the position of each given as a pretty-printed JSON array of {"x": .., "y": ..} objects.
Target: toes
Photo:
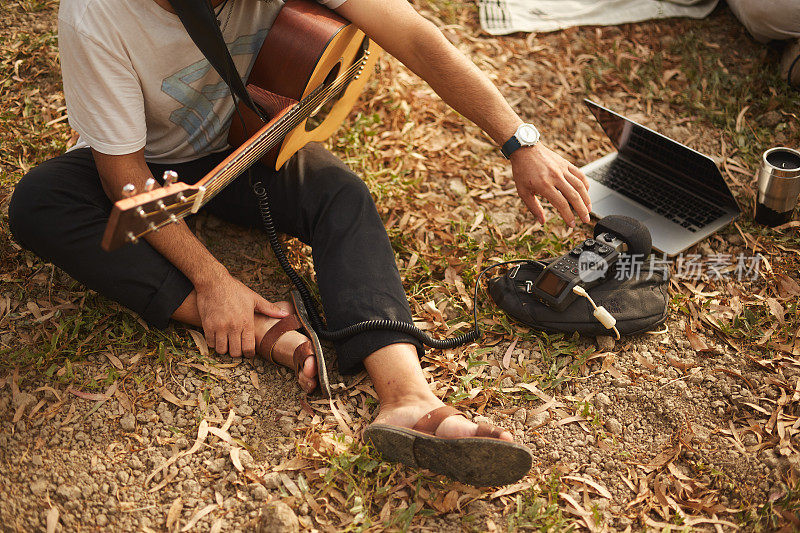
[
  {"x": 308, "y": 374},
  {"x": 310, "y": 367},
  {"x": 505, "y": 435}
]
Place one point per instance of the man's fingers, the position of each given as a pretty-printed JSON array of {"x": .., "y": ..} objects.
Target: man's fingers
[
  {"x": 575, "y": 199},
  {"x": 579, "y": 174},
  {"x": 582, "y": 189},
  {"x": 210, "y": 337},
  {"x": 532, "y": 202},
  {"x": 235, "y": 343},
  {"x": 268, "y": 308},
  {"x": 248, "y": 341},
  {"x": 562, "y": 205},
  {"x": 221, "y": 345}
]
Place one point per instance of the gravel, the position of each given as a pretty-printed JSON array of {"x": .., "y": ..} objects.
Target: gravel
[{"x": 127, "y": 422}]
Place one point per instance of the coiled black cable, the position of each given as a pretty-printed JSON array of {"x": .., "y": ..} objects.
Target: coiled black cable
[{"x": 369, "y": 325}]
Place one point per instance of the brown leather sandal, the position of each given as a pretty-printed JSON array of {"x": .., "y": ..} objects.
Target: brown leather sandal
[
  {"x": 483, "y": 460},
  {"x": 298, "y": 322}
]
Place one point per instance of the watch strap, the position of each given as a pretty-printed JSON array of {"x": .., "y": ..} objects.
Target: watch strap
[{"x": 510, "y": 146}]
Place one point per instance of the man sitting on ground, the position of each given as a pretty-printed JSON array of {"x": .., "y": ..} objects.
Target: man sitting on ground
[{"x": 144, "y": 100}]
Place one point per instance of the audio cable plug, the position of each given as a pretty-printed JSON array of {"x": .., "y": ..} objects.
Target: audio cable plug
[{"x": 600, "y": 313}]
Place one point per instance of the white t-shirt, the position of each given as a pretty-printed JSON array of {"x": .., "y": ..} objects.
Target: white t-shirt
[{"x": 134, "y": 79}]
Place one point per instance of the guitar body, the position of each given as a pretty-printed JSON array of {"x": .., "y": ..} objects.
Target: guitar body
[
  {"x": 310, "y": 71},
  {"x": 307, "y": 44}
]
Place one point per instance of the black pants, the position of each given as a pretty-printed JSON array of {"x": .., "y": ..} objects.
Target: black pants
[{"x": 59, "y": 212}]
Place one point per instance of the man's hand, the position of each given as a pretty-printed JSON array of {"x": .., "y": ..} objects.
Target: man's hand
[
  {"x": 227, "y": 308},
  {"x": 538, "y": 171}
]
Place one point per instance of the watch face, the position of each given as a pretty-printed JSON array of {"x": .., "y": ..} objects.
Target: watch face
[{"x": 527, "y": 134}]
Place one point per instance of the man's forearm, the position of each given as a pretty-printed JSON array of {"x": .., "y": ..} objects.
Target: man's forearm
[
  {"x": 462, "y": 85},
  {"x": 420, "y": 46},
  {"x": 174, "y": 241}
]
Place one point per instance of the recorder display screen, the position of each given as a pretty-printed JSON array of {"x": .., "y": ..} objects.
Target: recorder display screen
[{"x": 551, "y": 284}]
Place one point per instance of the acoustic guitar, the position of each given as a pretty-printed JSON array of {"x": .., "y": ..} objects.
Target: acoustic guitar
[{"x": 307, "y": 76}]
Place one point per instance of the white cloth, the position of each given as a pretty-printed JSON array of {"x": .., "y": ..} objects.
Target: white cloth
[
  {"x": 769, "y": 19},
  {"x": 499, "y": 17},
  {"x": 134, "y": 79}
]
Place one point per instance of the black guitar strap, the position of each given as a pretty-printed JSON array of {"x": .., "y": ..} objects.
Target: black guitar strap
[{"x": 201, "y": 24}]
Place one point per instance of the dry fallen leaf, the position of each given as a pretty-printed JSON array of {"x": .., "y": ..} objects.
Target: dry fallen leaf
[
  {"x": 174, "y": 513},
  {"x": 237, "y": 462},
  {"x": 52, "y": 519},
  {"x": 200, "y": 341}
]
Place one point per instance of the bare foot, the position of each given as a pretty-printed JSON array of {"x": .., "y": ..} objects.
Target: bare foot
[
  {"x": 284, "y": 349},
  {"x": 406, "y": 413}
]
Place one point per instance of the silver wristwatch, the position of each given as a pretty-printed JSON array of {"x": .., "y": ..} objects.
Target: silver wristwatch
[{"x": 526, "y": 135}]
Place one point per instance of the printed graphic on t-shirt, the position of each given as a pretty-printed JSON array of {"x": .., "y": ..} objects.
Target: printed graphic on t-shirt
[{"x": 196, "y": 116}]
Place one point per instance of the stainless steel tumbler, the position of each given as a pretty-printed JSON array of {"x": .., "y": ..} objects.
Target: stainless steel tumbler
[{"x": 778, "y": 186}]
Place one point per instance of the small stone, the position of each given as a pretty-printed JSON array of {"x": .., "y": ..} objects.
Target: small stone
[
  {"x": 246, "y": 459},
  {"x": 216, "y": 465},
  {"x": 277, "y": 517},
  {"x": 602, "y": 401},
  {"x": 521, "y": 415},
  {"x": 191, "y": 486},
  {"x": 101, "y": 520},
  {"x": 167, "y": 418},
  {"x": 272, "y": 480},
  {"x": 771, "y": 119},
  {"x": 147, "y": 416},
  {"x": 69, "y": 492},
  {"x": 259, "y": 492},
  {"x": 537, "y": 419},
  {"x": 614, "y": 426},
  {"x": 123, "y": 477},
  {"x": 127, "y": 422},
  {"x": 39, "y": 487},
  {"x": 37, "y": 460},
  {"x": 605, "y": 342}
]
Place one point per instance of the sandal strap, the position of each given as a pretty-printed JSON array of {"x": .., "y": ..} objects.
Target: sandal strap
[
  {"x": 284, "y": 325},
  {"x": 430, "y": 422},
  {"x": 301, "y": 353}
]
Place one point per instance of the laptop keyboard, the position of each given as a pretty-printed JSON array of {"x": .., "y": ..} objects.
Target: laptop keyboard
[{"x": 673, "y": 204}]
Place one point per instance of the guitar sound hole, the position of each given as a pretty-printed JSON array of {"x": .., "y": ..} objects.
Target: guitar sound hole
[{"x": 318, "y": 116}]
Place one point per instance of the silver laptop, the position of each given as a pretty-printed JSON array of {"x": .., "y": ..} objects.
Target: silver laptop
[{"x": 678, "y": 193}]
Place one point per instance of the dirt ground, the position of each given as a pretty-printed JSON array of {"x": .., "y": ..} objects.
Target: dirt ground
[{"x": 110, "y": 425}]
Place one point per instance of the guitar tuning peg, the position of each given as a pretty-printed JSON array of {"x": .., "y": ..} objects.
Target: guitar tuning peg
[
  {"x": 149, "y": 184},
  {"x": 129, "y": 190},
  {"x": 131, "y": 237},
  {"x": 170, "y": 177}
]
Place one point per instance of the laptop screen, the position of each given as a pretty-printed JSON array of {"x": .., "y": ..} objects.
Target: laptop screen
[{"x": 688, "y": 168}]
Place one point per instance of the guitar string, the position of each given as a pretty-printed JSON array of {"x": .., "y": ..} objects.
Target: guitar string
[
  {"x": 249, "y": 154},
  {"x": 256, "y": 150},
  {"x": 247, "y": 157}
]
